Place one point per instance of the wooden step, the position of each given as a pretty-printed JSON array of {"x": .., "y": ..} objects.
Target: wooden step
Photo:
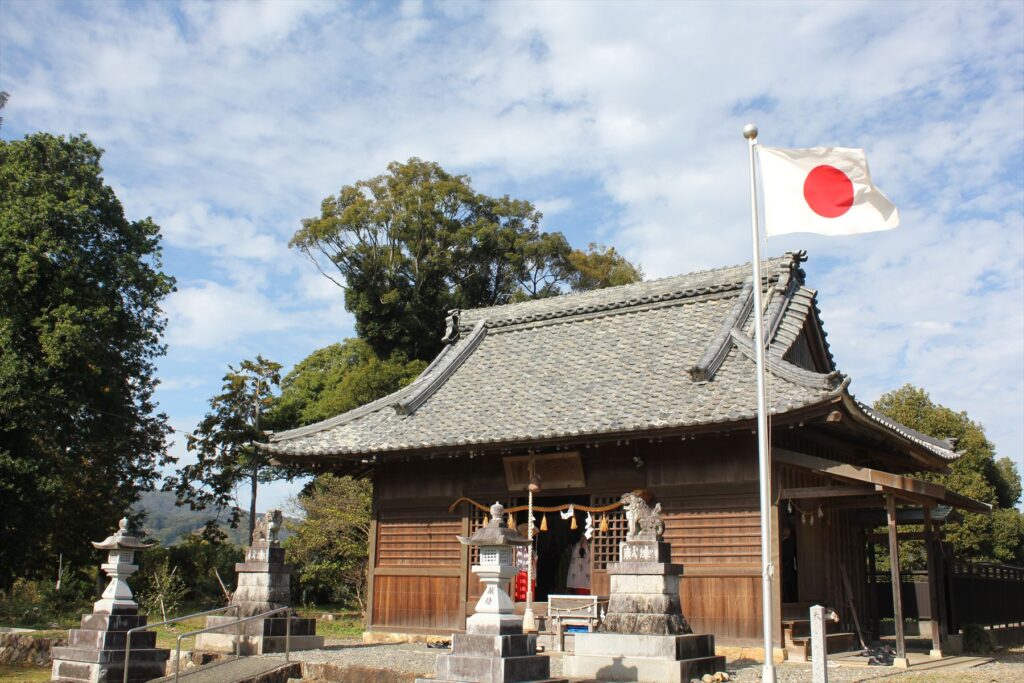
[
  {"x": 802, "y": 627},
  {"x": 799, "y": 650}
]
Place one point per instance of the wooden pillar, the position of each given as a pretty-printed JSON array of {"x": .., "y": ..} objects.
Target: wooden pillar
[
  {"x": 776, "y": 531},
  {"x": 873, "y": 590},
  {"x": 897, "y": 599},
  {"x": 933, "y": 584},
  {"x": 371, "y": 566}
]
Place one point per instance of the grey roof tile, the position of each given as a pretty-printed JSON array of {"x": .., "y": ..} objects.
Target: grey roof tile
[{"x": 611, "y": 361}]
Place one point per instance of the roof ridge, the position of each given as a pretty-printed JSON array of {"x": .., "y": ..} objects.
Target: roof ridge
[
  {"x": 409, "y": 403},
  {"x": 608, "y": 298}
]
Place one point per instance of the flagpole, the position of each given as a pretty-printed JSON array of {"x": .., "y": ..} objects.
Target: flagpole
[{"x": 764, "y": 466}]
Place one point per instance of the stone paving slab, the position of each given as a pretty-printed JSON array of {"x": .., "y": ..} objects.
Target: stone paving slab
[{"x": 244, "y": 669}]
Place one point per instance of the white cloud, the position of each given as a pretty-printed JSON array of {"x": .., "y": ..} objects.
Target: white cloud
[
  {"x": 209, "y": 315},
  {"x": 229, "y": 122}
]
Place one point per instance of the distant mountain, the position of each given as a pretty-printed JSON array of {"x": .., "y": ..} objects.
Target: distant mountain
[{"x": 169, "y": 523}]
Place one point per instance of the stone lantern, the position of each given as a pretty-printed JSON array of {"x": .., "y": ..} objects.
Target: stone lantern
[
  {"x": 495, "y": 611},
  {"x": 96, "y": 651},
  {"x": 494, "y": 648},
  {"x": 120, "y": 564}
]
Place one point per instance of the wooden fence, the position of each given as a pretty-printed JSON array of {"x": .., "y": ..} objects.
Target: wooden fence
[{"x": 974, "y": 593}]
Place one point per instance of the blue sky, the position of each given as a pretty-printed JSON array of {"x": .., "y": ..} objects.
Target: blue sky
[{"x": 229, "y": 122}]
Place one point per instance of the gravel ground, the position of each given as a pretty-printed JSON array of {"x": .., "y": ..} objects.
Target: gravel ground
[
  {"x": 409, "y": 657},
  {"x": 418, "y": 658}
]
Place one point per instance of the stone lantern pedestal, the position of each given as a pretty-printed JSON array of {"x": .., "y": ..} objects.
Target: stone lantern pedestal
[
  {"x": 644, "y": 636},
  {"x": 494, "y": 648},
  {"x": 95, "y": 652}
]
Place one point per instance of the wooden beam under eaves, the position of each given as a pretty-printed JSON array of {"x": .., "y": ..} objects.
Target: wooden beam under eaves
[
  {"x": 904, "y": 487},
  {"x": 826, "y": 492}
]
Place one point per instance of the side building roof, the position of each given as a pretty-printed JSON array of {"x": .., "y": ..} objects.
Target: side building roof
[{"x": 663, "y": 355}]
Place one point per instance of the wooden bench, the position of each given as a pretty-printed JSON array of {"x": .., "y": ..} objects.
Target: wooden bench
[{"x": 572, "y": 610}]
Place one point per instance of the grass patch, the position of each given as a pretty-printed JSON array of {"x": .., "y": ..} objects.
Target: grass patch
[
  {"x": 167, "y": 636},
  {"x": 340, "y": 628},
  {"x": 23, "y": 674}
]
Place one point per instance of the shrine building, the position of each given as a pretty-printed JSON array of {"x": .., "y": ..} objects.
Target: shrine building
[{"x": 650, "y": 387}]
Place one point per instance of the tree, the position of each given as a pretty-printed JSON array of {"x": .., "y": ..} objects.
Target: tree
[
  {"x": 336, "y": 379},
  {"x": 417, "y": 241},
  {"x": 977, "y": 473},
  {"x": 329, "y": 547},
  {"x": 224, "y": 443},
  {"x": 80, "y": 328},
  {"x": 600, "y": 266}
]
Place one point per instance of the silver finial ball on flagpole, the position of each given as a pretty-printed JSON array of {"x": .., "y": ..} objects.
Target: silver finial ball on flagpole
[{"x": 750, "y": 131}]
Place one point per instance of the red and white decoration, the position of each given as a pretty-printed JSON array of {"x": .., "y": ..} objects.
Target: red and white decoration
[{"x": 824, "y": 190}]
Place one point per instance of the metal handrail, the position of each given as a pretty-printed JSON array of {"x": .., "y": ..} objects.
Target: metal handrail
[
  {"x": 128, "y": 637},
  {"x": 262, "y": 615}
]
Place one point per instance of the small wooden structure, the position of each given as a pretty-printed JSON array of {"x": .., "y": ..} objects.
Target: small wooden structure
[
  {"x": 566, "y": 611},
  {"x": 648, "y": 386}
]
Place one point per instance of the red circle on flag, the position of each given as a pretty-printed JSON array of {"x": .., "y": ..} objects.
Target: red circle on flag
[{"x": 828, "y": 191}]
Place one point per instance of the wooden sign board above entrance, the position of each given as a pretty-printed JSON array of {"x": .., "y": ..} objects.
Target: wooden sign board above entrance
[{"x": 556, "y": 471}]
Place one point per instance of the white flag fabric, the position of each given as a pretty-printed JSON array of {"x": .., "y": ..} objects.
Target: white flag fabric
[{"x": 825, "y": 190}]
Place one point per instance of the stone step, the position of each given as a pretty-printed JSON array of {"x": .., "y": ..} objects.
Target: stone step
[
  {"x": 112, "y": 622},
  {"x": 669, "y": 648},
  {"x": 94, "y": 672},
  {"x": 82, "y": 654},
  {"x": 618, "y": 668},
  {"x": 110, "y": 640},
  {"x": 493, "y": 670}
]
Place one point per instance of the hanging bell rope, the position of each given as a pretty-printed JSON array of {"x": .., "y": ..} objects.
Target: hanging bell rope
[{"x": 538, "y": 508}]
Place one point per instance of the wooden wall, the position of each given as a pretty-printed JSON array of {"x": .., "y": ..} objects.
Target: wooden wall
[
  {"x": 832, "y": 542},
  {"x": 708, "y": 491}
]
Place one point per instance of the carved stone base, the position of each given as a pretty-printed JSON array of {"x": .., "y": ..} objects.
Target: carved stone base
[
  {"x": 634, "y": 657},
  {"x": 95, "y": 652}
]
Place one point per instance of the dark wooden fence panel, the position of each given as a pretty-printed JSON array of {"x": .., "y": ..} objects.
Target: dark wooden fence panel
[
  {"x": 984, "y": 594},
  {"x": 987, "y": 594}
]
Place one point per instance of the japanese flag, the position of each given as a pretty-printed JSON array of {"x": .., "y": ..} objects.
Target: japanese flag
[{"x": 826, "y": 190}]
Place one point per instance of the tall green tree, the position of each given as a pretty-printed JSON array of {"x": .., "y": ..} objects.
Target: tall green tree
[
  {"x": 80, "y": 329},
  {"x": 336, "y": 379},
  {"x": 410, "y": 244},
  {"x": 977, "y": 473},
  {"x": 224, "y": 443},
  {"x": 600, "y": 266},
  {"x": 330, "y": 546}
]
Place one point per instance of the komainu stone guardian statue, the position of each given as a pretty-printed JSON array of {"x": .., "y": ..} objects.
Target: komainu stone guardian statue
[
  {"x": 264, "y": 584},
  {"x": 642, "y": 522}
]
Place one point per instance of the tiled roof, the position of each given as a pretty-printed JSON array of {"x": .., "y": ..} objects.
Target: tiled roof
[{"x": 664, "y": 354}]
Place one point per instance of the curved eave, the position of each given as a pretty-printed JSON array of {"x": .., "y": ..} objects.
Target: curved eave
[
  {"x": 928, "y": 452},
  {"x": 742, "y": 423}
]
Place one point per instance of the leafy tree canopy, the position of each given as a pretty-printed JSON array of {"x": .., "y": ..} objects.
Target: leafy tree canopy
[
  {"x": 600, "y": 266},
  {"x": 80, "y": 328},
  {"x": 224, "y": 444},
  {"x": 417, "y": 241},
  {"x": 977, "y": 473},
  {"x": 336, "y": 379},
  {"x": 329, "y": 548}
]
